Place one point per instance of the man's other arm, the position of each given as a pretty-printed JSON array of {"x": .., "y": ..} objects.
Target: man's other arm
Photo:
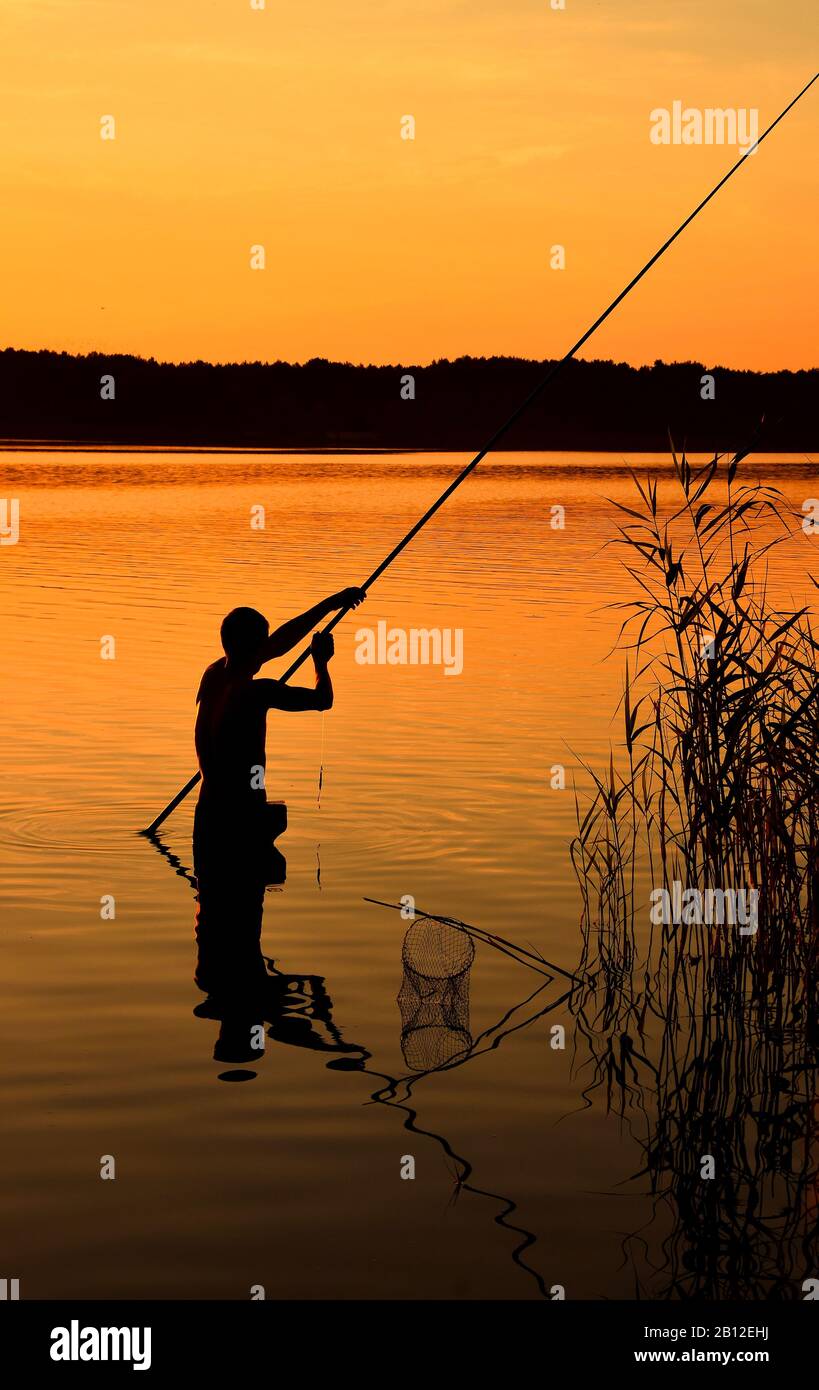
[{"x": 298, "y": 697}]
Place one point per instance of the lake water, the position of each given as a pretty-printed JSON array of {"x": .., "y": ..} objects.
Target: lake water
[{"x": 275, "y": 1168}]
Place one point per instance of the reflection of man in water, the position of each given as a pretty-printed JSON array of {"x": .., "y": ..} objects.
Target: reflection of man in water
[
  {"x": 244, "y": 990},
  {"x": 234, "y": 829}
]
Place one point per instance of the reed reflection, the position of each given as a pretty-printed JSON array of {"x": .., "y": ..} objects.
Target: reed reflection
[{"x": 730, "y": 1075}]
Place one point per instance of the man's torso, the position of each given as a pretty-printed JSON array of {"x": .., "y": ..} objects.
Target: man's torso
[{"x": 230, "y": 734}]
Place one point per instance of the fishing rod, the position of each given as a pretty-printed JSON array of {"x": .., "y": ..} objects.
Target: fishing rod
[{"x": 507, "y": 425}]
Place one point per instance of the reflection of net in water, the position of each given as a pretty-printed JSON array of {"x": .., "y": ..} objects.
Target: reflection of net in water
[{"x": 434, "y": 994}]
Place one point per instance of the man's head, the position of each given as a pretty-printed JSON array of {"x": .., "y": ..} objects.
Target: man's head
[{"x": 243, "y": 631}]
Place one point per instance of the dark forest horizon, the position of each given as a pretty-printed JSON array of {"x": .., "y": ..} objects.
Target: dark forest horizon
[{"x": 120, "y": 399}]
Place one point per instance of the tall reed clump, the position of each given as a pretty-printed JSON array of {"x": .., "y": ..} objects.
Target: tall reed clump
[
  {"x": 707, "y": 1041},
  {"x": 720, "y": 774}
]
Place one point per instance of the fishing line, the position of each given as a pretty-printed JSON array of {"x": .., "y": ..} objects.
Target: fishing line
[
  {"x": 321, "y": 761},
  {"x": 512, "y": 420}
]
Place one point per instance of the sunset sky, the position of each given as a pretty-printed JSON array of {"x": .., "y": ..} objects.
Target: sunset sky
[{"x": 281, "y": 127}]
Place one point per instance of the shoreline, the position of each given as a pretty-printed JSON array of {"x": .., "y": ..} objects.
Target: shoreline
[{"x": 79, "y": 446}]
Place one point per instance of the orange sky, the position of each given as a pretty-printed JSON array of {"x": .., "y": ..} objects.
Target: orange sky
[{"x": 281, "y": 127}]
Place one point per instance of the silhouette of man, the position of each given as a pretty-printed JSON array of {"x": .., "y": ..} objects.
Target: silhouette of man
[
  {"x": 232, "y": 716},
  {"x": 234, "y": 829}
]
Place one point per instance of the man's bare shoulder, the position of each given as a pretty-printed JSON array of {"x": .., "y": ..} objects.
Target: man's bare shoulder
[{"x": 210, "y": 676}]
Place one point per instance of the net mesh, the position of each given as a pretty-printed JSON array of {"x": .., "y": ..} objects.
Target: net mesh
[{"x": 434, "y": 994}]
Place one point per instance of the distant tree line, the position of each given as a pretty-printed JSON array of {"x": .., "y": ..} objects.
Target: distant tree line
[{"x": 115, "y": 399}]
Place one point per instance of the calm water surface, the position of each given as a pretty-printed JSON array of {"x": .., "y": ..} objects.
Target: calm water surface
[{"x": 434, "y": 786}]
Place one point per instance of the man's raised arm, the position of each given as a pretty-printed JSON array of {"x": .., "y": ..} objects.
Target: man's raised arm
[{"x": 294, "y": 631}]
